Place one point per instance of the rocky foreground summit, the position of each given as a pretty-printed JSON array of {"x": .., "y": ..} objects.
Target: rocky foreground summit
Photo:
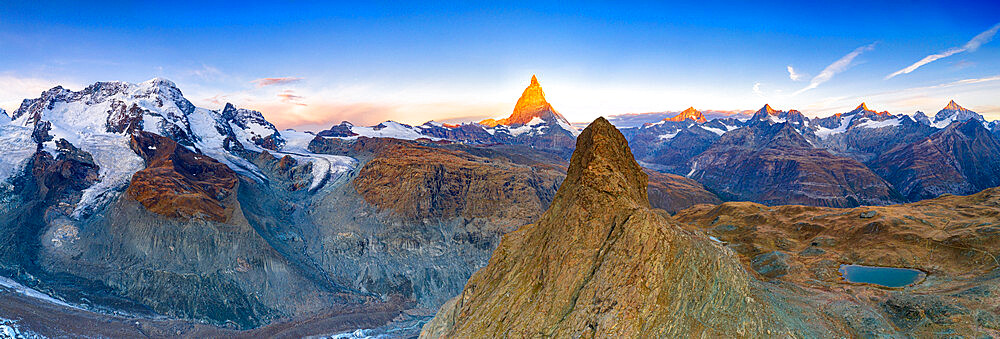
[{"x": 601, "y": 263}]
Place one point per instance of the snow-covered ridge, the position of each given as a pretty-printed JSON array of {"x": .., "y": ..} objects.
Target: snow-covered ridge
[{"x": 100, "y": 118}]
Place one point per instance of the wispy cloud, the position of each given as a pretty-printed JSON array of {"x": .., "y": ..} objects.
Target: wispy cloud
[
  {"x": 795, "y": 76},
  {"x": 970, "y": 46},
  {"x": 207, "y": 72},
  {"x": 289, "y": 96},
  {"x": 838, "y": 66},
  {"x": 263, "y": 82},
  {"x": 757, "y": 91},
  {"x": 218, "y": 99}
]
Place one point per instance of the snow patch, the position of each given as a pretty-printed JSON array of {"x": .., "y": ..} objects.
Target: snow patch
[
  {"x": 16, "y": 147},
  {"x": 845, "y": 122},
  {"x": 668, "y": 136},
  {"x": 880, "y": 124},
  {"x": 694, "y": 167},
  {"x": 568, "y": 127},
  {"x": 391, "y": 129},
  {"x": 205, "y": 124},
  {"x": 714, "y": 130}
]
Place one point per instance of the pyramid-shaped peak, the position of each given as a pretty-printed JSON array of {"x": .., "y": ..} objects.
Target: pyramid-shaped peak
[
  {"x": 689, "y": 113},
  {"x": 530, "y": 105},
  {"x": 603, "y": 160},
  {"x": 767, "y": 109},
  {"x": 954, "y": 106},
  {"x": 862, "y": 107}
]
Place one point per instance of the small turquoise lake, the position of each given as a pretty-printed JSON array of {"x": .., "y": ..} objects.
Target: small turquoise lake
[{"x": 882, "y": 276}]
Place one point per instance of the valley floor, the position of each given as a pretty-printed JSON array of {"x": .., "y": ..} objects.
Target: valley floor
[{"x": 32, "y": 316}]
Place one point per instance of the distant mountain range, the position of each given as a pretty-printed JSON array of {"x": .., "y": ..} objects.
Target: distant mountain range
[{"x": 861, "y": 157}]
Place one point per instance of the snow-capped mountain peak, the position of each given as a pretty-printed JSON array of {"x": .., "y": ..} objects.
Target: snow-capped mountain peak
[
  {"x": 689, "y": 113},
  {"x": 953, "y": 112},
  {"x": 101, "y": 118}
]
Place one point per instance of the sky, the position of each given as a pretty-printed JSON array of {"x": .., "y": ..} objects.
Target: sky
[{"x": 307, "y": 65}]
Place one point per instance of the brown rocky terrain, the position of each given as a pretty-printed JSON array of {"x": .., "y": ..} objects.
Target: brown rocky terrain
[
  {"x": 953, "y": 239},
  {"x": 673, "y": 193},
  {"x": 179, "y": 183}
]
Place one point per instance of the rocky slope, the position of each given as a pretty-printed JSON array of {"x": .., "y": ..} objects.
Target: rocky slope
[
  {"x": 770, "y": 162},
  {"x": 601, "y": 263},
  {"x": 961, "y": 159},
  {"x": 953, "y": 239}
]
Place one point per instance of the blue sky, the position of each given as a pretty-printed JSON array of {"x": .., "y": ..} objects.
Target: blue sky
[{"x": 466, "y": 61}]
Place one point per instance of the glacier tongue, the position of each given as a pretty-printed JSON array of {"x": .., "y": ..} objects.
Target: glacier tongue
[
  {"x": 325, "y": 166},
  {"x": 16, "y": 147}
]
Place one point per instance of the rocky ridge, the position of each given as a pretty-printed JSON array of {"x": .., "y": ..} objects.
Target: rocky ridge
[{"x": 601, "y": 263}]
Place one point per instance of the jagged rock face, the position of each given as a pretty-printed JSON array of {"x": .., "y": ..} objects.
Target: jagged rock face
[
  {"x": 342, "y": 130},
  {"x": 952, "y": 239},
  {"x": 258, "y": 130},
  {"x": 921, "y": 118},
  {"x": 420, "y": 182},
  {"x": 774, "y": 164},
  {"x": 961, "y": 159},
  {"x": 178, "y": 183},
  {"x": 600, "y": 263},
  {"x": 439, "y": 205},
  {"x": 123, "y": 105}
]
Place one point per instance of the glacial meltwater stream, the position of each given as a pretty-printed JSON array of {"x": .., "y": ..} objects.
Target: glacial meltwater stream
[{"x": 882, "y": 276}]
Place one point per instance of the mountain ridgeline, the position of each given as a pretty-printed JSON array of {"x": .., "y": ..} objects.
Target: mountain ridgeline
[
  {"x": 601, "y": 263},
  {"x": 126, "y": 198},
  {"x": 130, "y": 201},
  {"x": 861, "y": 157}
]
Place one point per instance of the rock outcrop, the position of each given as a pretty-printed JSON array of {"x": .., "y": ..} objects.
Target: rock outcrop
[
  {"x": 179, "y": 183},
  {"x": 601, "y": 263}
]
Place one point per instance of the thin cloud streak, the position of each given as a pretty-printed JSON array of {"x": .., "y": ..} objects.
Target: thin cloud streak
[
  {"x": 289, "y": 96},
  {"x": 970, "y": 46},
  {"x": 795, "y": 76},
  {"x": 836, "y": 67},
  {"x": 264, "y": 82}
]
